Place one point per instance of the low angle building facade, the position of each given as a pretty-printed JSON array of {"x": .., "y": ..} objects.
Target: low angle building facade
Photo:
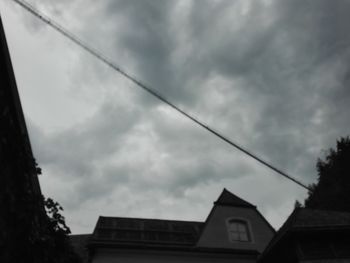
[{"x": 234, "y": 231}]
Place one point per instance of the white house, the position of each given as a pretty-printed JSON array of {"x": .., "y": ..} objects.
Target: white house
[{"x": 234, "y": 231}]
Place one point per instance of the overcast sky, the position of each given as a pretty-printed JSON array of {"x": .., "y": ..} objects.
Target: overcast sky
[{"x": 271, "y": 75}]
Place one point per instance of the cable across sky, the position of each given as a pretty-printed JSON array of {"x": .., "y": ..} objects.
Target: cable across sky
[{"x": 99, "y": 55}]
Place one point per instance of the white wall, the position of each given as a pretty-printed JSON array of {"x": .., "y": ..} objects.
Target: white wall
[
  {"x": 215, "y": 233},
  {"x": 149, "y": 256}
]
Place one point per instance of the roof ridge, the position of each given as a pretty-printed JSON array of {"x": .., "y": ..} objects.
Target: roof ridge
[
  {"x": 230, "y": 199},
  {"x": 153, "y": 219}
]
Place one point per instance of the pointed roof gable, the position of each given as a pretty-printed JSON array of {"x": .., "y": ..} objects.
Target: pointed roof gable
[
  {"x": 227, "y": 198},
  {"x": 227, "y": 207}
]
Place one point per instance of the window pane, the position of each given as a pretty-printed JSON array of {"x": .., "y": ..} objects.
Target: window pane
[
  {"x": 238, "y": 230},
  {"x": 243, "y": 237},
  {"x": 233, "y": 226},
  {"x": 234, "y": 236},
  {"x": 242, "y": 227}
]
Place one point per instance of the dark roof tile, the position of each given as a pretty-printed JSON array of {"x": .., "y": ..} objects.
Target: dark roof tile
[
  {"x": 305, "y": 219},
  {"x": 320, "y": 218},
  {"x": 152, "y": 231},
  {"x": 227, "y": 198}
]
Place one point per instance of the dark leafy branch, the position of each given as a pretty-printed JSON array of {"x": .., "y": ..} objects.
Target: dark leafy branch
[{"x": 331, "y": 192}]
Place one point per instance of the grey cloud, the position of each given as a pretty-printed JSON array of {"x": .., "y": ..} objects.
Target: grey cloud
[
  {"x": 273, "y": 77},
  {"x": 148, "y": 38},
  {"x": 75, "y": 149}
]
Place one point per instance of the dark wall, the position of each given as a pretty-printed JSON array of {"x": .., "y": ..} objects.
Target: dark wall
[{"x": 20, "y": 196}]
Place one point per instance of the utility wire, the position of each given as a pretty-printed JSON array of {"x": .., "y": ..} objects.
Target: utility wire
[{"x": 151, "y": 91}]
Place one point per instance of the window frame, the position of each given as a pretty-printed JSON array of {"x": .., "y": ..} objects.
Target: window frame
[{"x": 248, "y": 228}]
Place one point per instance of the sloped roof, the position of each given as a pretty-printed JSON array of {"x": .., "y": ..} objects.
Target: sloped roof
[
  {"x": 305, "y": 219},
  {"x": 121, "y": 230},
  {"x": 320, "y": 218},
  {"x": 228, "y": 198},
  {"x": 155, "y": 231},
  {"x": 157, "y": 234},
  {"x": 313, "y": 218}
]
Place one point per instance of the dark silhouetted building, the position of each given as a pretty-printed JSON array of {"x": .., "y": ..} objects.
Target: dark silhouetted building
[
  {"x": 311, "y": 236},
  {"x": 20, "y": 196}
]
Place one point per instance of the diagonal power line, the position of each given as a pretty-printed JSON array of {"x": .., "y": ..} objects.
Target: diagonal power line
[{"x": 148, "y": 89}]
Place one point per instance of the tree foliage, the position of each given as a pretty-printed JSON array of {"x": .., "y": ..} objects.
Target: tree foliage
[
  {"x": 57, "y": 241},
  {"x": 57, "y": 222},
  {"x": 332, "y": 191}
]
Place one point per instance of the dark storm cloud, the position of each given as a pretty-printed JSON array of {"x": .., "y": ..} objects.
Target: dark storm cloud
[
  {"x": 315, "y": 43},
  {"x": 272, "y": 75},
  {"x": 278, "y": 52},
  {"x": 146, "y": 35}
]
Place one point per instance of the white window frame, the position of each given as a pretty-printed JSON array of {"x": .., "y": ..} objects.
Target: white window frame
[{"x": 248, "y": 227}]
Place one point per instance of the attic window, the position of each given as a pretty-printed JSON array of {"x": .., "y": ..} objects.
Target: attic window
[{"x": 238, "y": 230}]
